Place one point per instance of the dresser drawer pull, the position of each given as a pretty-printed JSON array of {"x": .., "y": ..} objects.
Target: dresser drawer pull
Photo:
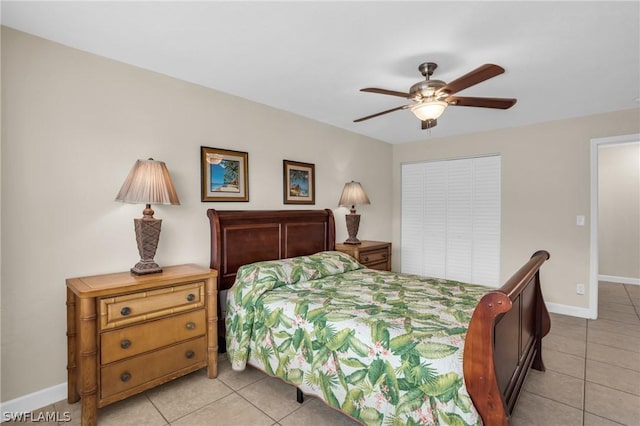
[
  {"x": 125, "y": 344},
  {"x": 191, "y": 297},
  {"x": 384, "y": 256},
  {"x": 366, "y": 259},
  {"x": 191, "y": 325},
  {"x": 125, "y": 311},
  {"x": 190, "y": 354},
  {"x": 125, "y": 377}
]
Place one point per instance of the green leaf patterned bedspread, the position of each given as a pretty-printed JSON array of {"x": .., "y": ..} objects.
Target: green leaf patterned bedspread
[{"x": 385, "y": 348}]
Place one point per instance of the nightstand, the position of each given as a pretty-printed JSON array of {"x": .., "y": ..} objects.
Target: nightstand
[
  {"x": 128, "y": 333},
  {"x": 372, "y": 254}
]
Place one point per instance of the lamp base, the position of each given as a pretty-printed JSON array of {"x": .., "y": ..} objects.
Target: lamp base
[
  {"x": 353, "y": 223},
  {"x": 147, "y": 236},
  {"x": 144, "y": 268},
  {"x": 353, "y": 241}
]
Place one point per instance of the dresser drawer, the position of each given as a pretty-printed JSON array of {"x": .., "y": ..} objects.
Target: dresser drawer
[
  {"x": 374, "y": 256},
  {"x": 144, "y": 305},
  {"x": 122, "y": 376},
  {"x": 133, "y": 340}
]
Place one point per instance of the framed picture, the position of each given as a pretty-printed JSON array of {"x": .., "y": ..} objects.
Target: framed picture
[
  {"x": 224, "y": 174},
  {"x": 299, "y": 182}
]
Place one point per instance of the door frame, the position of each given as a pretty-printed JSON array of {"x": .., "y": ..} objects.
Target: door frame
[{"x": 596, "y": 143}]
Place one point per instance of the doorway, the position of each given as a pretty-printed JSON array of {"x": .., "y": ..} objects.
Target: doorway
[{"x": 594, "y": 273}]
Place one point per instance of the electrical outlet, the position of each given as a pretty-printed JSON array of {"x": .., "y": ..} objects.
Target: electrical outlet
[{"x": 580, "y": 289}]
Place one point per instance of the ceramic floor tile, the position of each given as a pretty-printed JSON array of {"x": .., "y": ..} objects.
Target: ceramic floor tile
[
  {"x": 593, "y": 420},
  {"x": 623, "y": 299},
  {"x": 534, "y": 410},
  {"x": 620, "y": 341},
  {"x": 616, "y": 307},
  {"x": 614, "y": 290},
  {"x": 238, "y": 379},
  {"x": 186, "y": 394},
  {"x": 564, "y": 344},
  {"x": 232, "y": 410},
  {"x": 614, "y": 356},
  {"x": 556, "y": 386},
  {"x": 620, "y": 317},
  {"x": 632, "y": 290},
  {"x": 135, "y": 411},
  {"x": 614, "y": 327},
  {"x": 273, "y": 396},
  {"x": 561, "y": 362},
  {"x": 612, "y": 404},
  {"x": 574, "y": 331},
  {"x": 316, "y": 413},
  {"x": 614, "y": 377},
  {"x": 567, "y": 320}
]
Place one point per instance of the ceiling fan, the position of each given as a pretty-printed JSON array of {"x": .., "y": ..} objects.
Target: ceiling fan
[{"x": 432, "y": 97}]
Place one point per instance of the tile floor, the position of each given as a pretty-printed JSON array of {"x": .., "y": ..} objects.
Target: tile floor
[{"x": 592, "y": 378}]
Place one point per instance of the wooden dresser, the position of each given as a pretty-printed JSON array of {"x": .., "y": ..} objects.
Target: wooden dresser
[
  {"x": 372, "y": 254},
  {"x": 128, "y": 333}
]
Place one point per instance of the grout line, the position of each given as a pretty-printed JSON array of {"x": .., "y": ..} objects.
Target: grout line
[
  {"x": 157, "y": 409},
  {"x": 261, "y": 410},
  {"x": 603, "y": 418},
  {"x": 584, "y": 382},
  {"x": 615, "y": 389},
  {"x": 636, "y": 308}
]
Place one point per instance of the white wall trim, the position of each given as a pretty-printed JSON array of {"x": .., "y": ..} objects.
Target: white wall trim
[
  {"x": 35, "y": 400},
  {"x": 573, "y": 311},
  {"x": 621, "y": 280}
]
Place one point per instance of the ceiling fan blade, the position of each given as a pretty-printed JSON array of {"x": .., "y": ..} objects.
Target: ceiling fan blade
[
  {"x": 474, "y": 77},
  {"x": 386, "y": 92},
  {"x": 499, "y": 103},
  {"x": 429, "y": 124},
  {"x": 381, "y": 113}
]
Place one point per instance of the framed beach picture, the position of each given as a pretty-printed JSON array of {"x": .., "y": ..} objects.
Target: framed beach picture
[
  {"x": 299, "y": 182},
  {"x": 224, "y": 174}
]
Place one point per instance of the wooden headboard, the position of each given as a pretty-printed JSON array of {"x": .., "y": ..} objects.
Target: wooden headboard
[{"x": 241, "y": 237}]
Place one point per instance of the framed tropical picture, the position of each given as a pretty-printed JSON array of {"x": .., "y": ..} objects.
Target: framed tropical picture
[
  {"x": 299, "y": 182},
  {"x": 224, "y": 174}
]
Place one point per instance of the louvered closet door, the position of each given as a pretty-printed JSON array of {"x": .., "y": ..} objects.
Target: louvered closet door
[{"x": 451, "y": 219}]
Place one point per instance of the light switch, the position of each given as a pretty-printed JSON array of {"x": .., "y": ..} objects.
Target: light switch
[{"x": 580, "y": 220}]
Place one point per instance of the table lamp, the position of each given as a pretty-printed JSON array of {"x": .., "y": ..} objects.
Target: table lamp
[
  {"x": 148, "y": 183},
  {"x": 352, "y": 195}
]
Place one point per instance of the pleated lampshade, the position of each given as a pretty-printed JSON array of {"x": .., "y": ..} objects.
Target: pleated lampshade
[{"x": 148, "y": 182}]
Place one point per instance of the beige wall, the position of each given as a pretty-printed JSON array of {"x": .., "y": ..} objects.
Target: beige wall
[
  {"x": 545, "y": 184},
  {"x": 74, "y": 124},
  {"x": 619, "y": 210}
]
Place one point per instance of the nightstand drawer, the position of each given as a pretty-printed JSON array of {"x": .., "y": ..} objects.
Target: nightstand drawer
[
  {"x": 125, "y": 342},
  {"x": 374, "y": 256},
  {"x": 128, "y": 374},
  {"x": 144, "y": 305}
]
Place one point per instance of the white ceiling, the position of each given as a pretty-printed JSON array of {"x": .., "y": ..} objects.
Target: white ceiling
[{"x": 562, "y": 59}]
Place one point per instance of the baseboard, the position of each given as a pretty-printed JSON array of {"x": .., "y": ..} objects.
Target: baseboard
[
  {"x": 573, "y": 311},
  {"x": 621, "y": 280},
  {"x": 35, "y": 400}
]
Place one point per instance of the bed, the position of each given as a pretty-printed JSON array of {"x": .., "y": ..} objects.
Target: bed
[{"x": 500, "y": 343}]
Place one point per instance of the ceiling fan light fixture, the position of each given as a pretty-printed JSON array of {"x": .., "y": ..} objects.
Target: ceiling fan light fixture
[{"x": 429, "y": 110}]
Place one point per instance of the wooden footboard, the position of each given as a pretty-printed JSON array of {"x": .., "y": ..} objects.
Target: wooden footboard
[{"x": 504, "y": 340}]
